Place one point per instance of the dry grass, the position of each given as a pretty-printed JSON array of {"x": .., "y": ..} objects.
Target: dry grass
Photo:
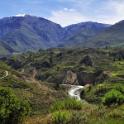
[{"x": 37, "y": 120}]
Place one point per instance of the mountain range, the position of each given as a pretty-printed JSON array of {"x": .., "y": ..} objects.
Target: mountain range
[{"x": 20, "y": 34}]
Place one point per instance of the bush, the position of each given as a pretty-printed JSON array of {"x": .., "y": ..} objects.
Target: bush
[
  {"x": 73, "y": 104},
  {"x": 116, "y": 114},
  {"x": 61, "y": 117},
  {"x": 67, "y": 104},
  {"x": 120, "y": 88},
  {"x": 79, "y": 118},
  {"x": 67, "y": 117},
  {"x": 12, "y": 110},
  {"x": 101, "y": 89},
  {"x": 113, "y": 97}
]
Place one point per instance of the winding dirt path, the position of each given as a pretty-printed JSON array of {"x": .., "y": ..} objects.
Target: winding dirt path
[{"x": 5, "y": 75}]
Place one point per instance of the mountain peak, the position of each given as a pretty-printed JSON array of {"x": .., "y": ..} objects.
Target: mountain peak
[{"x": 21, "y": 15}]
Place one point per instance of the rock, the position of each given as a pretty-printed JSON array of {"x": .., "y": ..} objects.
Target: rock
[
  {"x": 100, "y": 76},
  {"x": 91, "y": 77},
  {"x": 85, "y": 78},
  {"x": 87, "y": 61},
  {"x": 87, "y": 87},
  {"x": 71, "y": 78}
]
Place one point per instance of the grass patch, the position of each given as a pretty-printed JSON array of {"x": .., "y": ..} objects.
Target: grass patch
[
  {"x": 67, "y": 104},
  {"x": 61, "y": 117}
]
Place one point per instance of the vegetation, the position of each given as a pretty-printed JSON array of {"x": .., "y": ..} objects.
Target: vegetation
[
  {"x": 37, "y": 78},
  {"x": 66, "y": 104},
  {"x": 61, "y": 117},
  {"x": 12, "y": 110},
  {"x": 113, "y": 97}
]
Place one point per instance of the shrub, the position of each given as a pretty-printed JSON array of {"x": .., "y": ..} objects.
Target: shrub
[
  {"x": 58, "y": 105},
  {"x": 12, "y": 110},
  {"x": 120, "y": 88},
  {"x": 116, "y": 114},
  {"x": 113, "y": 97},
  {"x": 79, "y": 118},
  {"x": 67, "y": 117},
  {"x": 61, "y": 117},
  {"x": 101, "y": 89},
  {"x": 67, "y": 104},
  {"x": 73, "y": 104}
]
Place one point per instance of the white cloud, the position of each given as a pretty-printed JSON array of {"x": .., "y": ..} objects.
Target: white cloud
[
  {"x": 115, "y": 10},
  {"x": 118, "y": 8},
  {"x": 70, "y": 10},
  {"x": 67, "y": 16},
  {"x": 108, "y": 11}
]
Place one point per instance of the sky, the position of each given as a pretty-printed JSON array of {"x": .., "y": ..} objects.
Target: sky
[{"x": 66, "y": 12}]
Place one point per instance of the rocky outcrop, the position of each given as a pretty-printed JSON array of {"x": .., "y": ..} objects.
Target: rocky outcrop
[
  {"x": 83, "y": 78},
  {"x": 87, "y": 61},
  {"x": 71, "y": 78},
  {"x": 78, "y": 78},
  {"x": 100, "y": 76}
]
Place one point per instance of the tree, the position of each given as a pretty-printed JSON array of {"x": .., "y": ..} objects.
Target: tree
[{"x": 12, "y": 110}]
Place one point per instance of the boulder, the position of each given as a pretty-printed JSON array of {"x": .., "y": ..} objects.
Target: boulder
[
  {"x": 87, "y": 61},
  {"x": 71, "y": 78}
]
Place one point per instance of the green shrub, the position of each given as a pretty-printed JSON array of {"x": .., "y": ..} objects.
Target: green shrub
[
  {"x": 12, "y": 110},
  {"x": 113, "y": 97},
  {"x": 58, "y": 105},
  {"x": 73, "y": 104},
  {"x": 101, "y": 89},
  {"x": 61, "y": 117},
  {"x": 120, "y": 88},
  {"x": 79, "y": 118},
  {"x": 67, "y": 117},
  {"x": 67, "y": 104},
  {"x": 116, "y": 114}
]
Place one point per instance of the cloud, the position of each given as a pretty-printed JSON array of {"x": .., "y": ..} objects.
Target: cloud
[
  {"x": 107, "y": 11},
  {"x": 67, "y": 16},
  {"x": 113, "y": 11}
]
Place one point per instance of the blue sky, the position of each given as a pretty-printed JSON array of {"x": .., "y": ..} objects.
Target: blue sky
[{"x": 66, "y": 12}]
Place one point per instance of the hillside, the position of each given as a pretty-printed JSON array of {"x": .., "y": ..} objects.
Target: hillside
[
  {"x": 55, "y": 65},
  {"x": 112, "y": 36},
  {"x": 25, "y": 33},
  {"x": 80, "y": 33},
  {"x": 40, "y": 94},
  {"x": 37, "y": 77},
  {"x": 5, "y": 49}
]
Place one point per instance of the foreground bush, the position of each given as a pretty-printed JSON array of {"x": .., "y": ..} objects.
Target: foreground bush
[
  {"x": 12, "y": 110},
  {"x": 79, "y": 118},
  {"x": 67, "y": 104},
  {"x": 61, "y": 117},
  {"x": 116, "y": 114},
  {"x": 113, "y": 97},
  {"x": 67, "y": 117}
]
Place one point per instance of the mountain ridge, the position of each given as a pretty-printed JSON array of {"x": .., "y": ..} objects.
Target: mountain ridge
[
  {"x": 24, "y": 33},
  {"x": 112, "y": 36}
]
